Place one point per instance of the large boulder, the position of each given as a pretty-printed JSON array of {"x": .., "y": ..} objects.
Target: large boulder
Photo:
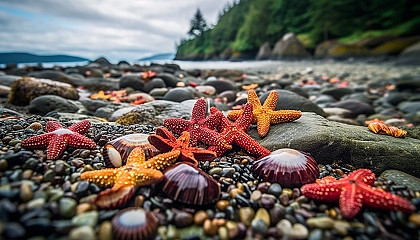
[
  {"x": 394, "y": 47},
  {"x": 264, "y": 52},
  {"x": 330, "y": 142},
  {"x": 289, "y": 47},
  {"x": 411, "y": 54},
  {"x": 24, "y": 90},
  {"x": 332, "y": 48},
  {"x": 288, "y": 100},
  {"x": 56, "y": 76},
  {"x": 48, "y": 103},
  {"x": 134, "y": 81}
]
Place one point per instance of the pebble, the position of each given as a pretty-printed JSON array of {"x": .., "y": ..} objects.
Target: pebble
[
  {"x": 209, "y": 228},
  {"x": 222, "y": 205},
  {"x": 246, "y": 214},
  {"x": 35, "y": 203},
  {"x": 415, "y": 219},
  {"x": 259, "y": 226},
  {"x": 200, "y": 216},
  {"x": 263, "y": 215},
  {"x": 13, "y": 230},
  {"x": 3, "y": 165},
  {"x": 320, "y": 222},
  {"x": 67, "y": 207},
  {"x": 268, "y": 200},
  {"x": 105, "y": 231},
  {"x": 256, "y": 195},
  {"x": 183, "y": 219},
  {"x": 87, "y": 218},
  {"x": 26, "y": 192},
  {"x": 299, "y": 231},
  {"x": 223, "y": 233},
  {"x": 341, "y": 227},
  {"x": 233, "y": 229},
  {"x": 275, "y": 189},
  {"x": 82, "y": 233},
  {"x": 284, "y": 227}
]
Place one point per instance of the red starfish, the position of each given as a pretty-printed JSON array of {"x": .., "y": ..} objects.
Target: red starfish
[
  {"x": 235, "y": 133},
  {"x": 58, "y": 138},
  {"x": 164, "y": 141},
  {"x": 354, "y": 191},
  {"x": 199, "y": 127}
]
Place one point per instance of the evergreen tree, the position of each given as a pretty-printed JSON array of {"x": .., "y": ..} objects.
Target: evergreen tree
[{"x": 198, "y": 24}]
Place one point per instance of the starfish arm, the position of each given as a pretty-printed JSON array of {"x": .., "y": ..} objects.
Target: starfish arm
[
  {"x": 202, "y": 154},
  {"x": 271, "y": 101},
  {"x": 246, "y": 118},
  {"x": 246, "y": 142},
  {"x": 162, "y": 144},
  {"x": 39, "y": 141},
  {"x": 224, "y": 122},
  {"x": 351, "y": 200},
  {"x": 213, "y": 120},
  {"x": 138, "y": 177},
  {"x": 194, "y": 136},
  {"x": 211, "y": 137},
  {"x": 52, "y": 126},
  {"x": 58, "y": 144},
  {"x": 263, "y": 124},
  {"x": 162, "y": 161},
  {"x": 228, "y": 137},
  {"x": 80, "y": 127},
  {"x": 364, "y": 175},
  {"x": 378, "y": 198},
  {"x": 79, "y": 141},
  {"x": 136, "y": 156},
  {"x": 199, "y": 110},
  {"x": 102, "y": 178},
  {"x": 253, "y": 99},
  {"x": 187, "y": 156},
  {"x": 165, "y": 134},
  {"x": 282, "y": 116},
  {"x": 235, "y": 114},
  {"x": 177, "y": 125},
  {"x": 184, "y": 140},
  {"x": 327, "y": 189}
]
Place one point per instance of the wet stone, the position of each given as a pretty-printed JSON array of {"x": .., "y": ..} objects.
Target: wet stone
[
  {"x": 264, "y": 215},
  {"x": 83, "y": 232},
  {"x": 82, "y": 189},
  {"x": 275, "y": 189},
  {"x": 255, "y": 195},
  {"x": 13, "y": 230},
  {"x": 67, "y": 207},
  {"x": 299, "y": 231},
  {"x": 268, "y": 201},
  {"x": 199, "y": 217},
  {"x": 284, "y": 227},
  {"x": 26, "y": 192},
  {"x": 183, "y": 219},
  {"x": 105, "y": 231},
  {"x": 35, "y": 203},
  {"x": 258, "y": 225},
  {"x": 86, "y": 219},
  {"x": 209, "y": 228},
  {"x": 246, "y": 214},
  {"x": 223, "y": 233},
  {"x": 320, "y": 222}
]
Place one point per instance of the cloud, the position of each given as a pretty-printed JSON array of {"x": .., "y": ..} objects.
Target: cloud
[{"x": 125, "y": 29}]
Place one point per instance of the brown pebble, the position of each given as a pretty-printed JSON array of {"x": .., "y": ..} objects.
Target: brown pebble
[
  {"x": 183, "y": 219},
  {"x": 36, "y": 126},
  {"x": 415, "y": 219},
  {"x": 105, "y": 231},
  {"x": 3, "y": 165},
  {"x": 6, "y": 139},
  {"x": 287, "y": 191},
  {"x": 222, "y": 205},
  {"x": 219, "y": 221},
  {"x": 209, "y": 228},
  {"x": 235, "y": 192},
  {"x": 223, "y": 233},
  {"x": 256, "y": 195},
  {"x": 268, "y": 201},
  {"x": 139, "y": 201},
  {"x": 27, "y": 174},
  {"x": 83, "y": 207},
  {"x": 17, "y": 127},
  {"x": 264, "y": 186},
  {"x": 246, "y": 214},
  {"x": 284, "y": 199},
  {"x": 263, "y": 214},
  {"x": 200, "y": 217},
  {"x": 26, "y": 192},
  {"x": 232, "y": 229}
]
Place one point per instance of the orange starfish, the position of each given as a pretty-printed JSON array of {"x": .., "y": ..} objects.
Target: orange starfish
[
  {"x": 125, "y": 180},
  {"x": 354, "y": 191},
  {"x": 367, "y": 122},
  {"x": 265, "y": 115},
  {"x": 101, "y": 95}
]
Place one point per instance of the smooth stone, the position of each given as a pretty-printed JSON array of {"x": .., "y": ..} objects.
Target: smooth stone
[
  {"x": 337, "y": 93},
  {"x": 82, "y": 233},
  {"x": 233, "y": 229},
  {"x": 183, "y": 219},
  {"x": 409, "y": 107},
  {"x": 135, "y": 82},
  {"x": 276, "y": 214},
  {"x": 222, "y": 205},
  {"x": 35, "y": 203},
  {"x": 357, "y": 107},
  {"x": 88, "y": 218},
  {"x": 208, "y": 90},
  {"x": 13, "y": 230},
  {"x": 299, "y": 231},
  {"x": 48, "y": 103},
  {"x": 320, "y": 222},
  {"x": 67, "y": 207},
  {"x": 341, "y": 227},
  {"x": 154, "y": 83},
  {"x": 246, "y": 214},
  {"x": 284, "y": 228},
  {"x": 258, "y": 225},
  {"x": 105, "y": 231},
  {"x": 267, "y": 200},
  {"x": 158, "y": 92},
  {"x": 134, "y": 96},
  {"x": 3, "y": 165},
  {"x": 215, "y": 170},
  {"x": 341, "y": 112},
  {"x": 347, "y": 143},
  {"x": 178, "y": 95},
  {"x": 275, "y": 189},
  {"x": 26, "y": 192},
  {"x": 200, "y": 216},
  {"x": 220, "y": 85},
  {"x": 255, "y": 195},
  {"x": 209, "y": 228},
  {"x": 264, "y": 215},
  {"x": 223, "y": 233},
  {"x": 401, "y": 178}
]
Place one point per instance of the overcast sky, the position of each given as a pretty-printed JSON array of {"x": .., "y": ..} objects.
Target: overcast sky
[{"x": 116, "y": 29}]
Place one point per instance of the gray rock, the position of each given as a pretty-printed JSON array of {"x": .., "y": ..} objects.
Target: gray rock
[
  {"x": 341, "y": 112},
  {"x": 67, "y": 207},
  {"x": 156, "y": 112},
  {"x": 118, "y": 113},
  {"x": 154, "y": 83},
  {"x": 86, "y": 219},
  {"x": 158, "y": 92},
  {"x": 410, "y": 55},
  {"x": 409, "y": 107},
  {"x": 221, "y": 85},
  {"x": 55, "y": 75},
  {"x": 134, "y": 81},
  {"x": 178, "y": 94},
  {"x": 7, "y": 80},
  {"x": 289, "y": 47},
  {"x": 170, "y": 80},
  {"x": 47, "y": 103},
  {"x": 4, "y": 91},
  {"x": 288, "y": 100},
  {"x": 337, "y": 93},
  {"x": 401, "y": 178},
  {"x": 357, "y": 107},
  {"x": 330, "y": 141},
  {"x": 264, "y": 52},
  {"x": 93, "y": 104}
]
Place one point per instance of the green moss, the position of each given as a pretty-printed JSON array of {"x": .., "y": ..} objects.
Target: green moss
[{"x": 130, "y": 118}]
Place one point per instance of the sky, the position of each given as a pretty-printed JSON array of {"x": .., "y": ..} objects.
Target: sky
[{"x": 116, "y": 29}]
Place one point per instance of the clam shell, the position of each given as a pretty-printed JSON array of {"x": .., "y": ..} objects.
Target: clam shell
[
  {"x": 185, "y": 183},
  {"x": 134, "y": 223},
  {"x": 116, "y": 151},
  {"x": 288, "y": 167}
]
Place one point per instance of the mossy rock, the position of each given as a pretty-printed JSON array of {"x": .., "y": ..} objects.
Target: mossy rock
[
  {"x": 348, "y": 50},
  {"x": 394, "y": 47}
]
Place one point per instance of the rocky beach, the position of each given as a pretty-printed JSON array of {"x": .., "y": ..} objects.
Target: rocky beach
[{"x": 45, "y": 194}]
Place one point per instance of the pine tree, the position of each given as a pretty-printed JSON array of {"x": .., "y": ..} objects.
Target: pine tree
[{"x": 198, "y": 24}]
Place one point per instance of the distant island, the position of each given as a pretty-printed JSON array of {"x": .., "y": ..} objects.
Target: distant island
[
  {"x": 18, "y": 57},
  {"x": 160, "y": 56}
]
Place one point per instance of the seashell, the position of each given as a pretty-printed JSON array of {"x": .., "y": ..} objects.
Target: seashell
[
  {"x": 288, "y": 167},
  {"x": 185, "y": 183},
  {"x": 381, "y": 128},
  {"x": 36, "y": 126},
  {"x": 111, "y": 199},
  {"x": 116, "y": 151},
  {"x": 134, "y": 223}
]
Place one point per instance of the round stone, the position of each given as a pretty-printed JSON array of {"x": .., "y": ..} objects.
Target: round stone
[
  {"x": 82, "y": 233},
  {"x": 200, "y": 216},
  {"x": 222, "y": 205},
  {"x": 246, "y": 214},
  {"x": 320, "y": 222},
  {"x": 263, "y": 214},
  {"x": 183, "y": 219}
]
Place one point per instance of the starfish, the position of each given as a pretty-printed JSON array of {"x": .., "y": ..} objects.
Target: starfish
[
  {"x": 235, "y": 133},
  {"x": 265, "y": 115},
  {"x": 58, "y": 138},
  {"x": 200, "y": 128},
  {"x": 354, "y": 191},
  {"x": 164, "y": 141},
  {"x": 126, "y": 179}
]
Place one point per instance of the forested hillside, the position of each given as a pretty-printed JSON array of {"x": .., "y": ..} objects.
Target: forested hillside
[{"x": 248, "y": 24}]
